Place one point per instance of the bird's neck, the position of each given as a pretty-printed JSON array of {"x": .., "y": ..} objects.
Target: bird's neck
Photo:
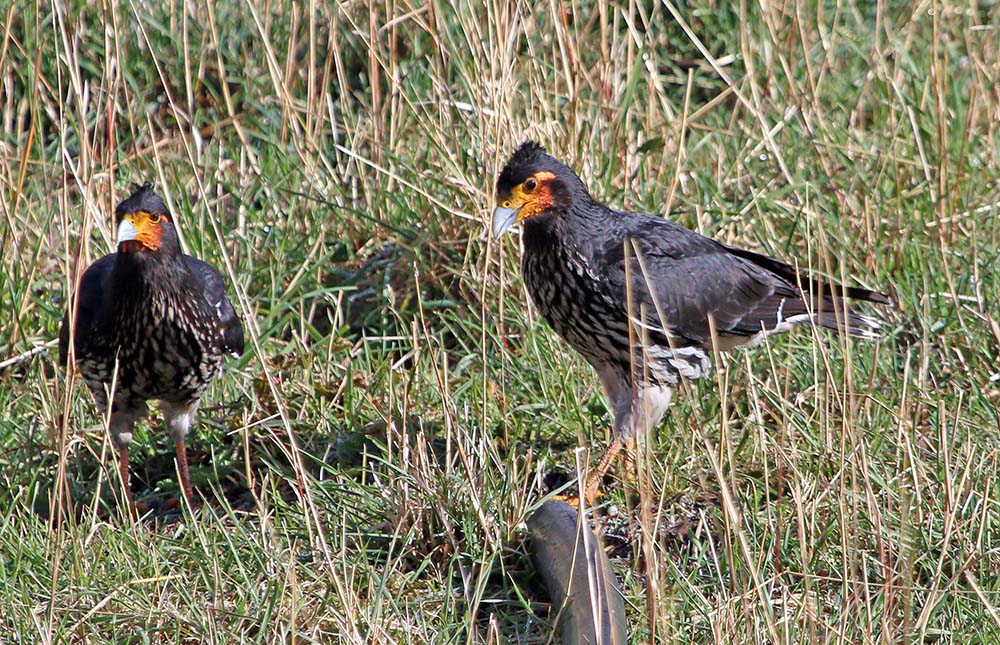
[
  {"x": 571, "y": 232},
  {"x": 540, "y": 232},
  {"x": 136, "y": 278}
]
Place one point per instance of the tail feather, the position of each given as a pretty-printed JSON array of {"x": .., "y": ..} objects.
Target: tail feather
[
  {"x": 827, "y": 313},
  {"x": 779, "y": 313},
  {"x": 849, "y": 322},
  {"x": 809, "y": 284}
]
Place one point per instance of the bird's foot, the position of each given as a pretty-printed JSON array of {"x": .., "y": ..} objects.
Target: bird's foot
[
  {"x": 587, "y": 500},
  {"x": 591, "y": 491},
  {"x": 127, "y": 510},
  {"x": 175, "y": 503}
]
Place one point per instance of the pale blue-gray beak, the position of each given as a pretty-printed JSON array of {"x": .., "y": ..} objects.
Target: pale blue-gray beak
[
  {"x": 126, "y": 231},
  {"x": 503, "y": 219}
]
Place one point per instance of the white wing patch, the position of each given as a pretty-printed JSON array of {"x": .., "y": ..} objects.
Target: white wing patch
[
  {"x": 642, "y": 324},
  {"x": 689, "y": 362}
]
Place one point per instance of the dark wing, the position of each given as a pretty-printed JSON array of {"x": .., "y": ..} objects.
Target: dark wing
[
  {"x": 90, "y": 299},
  {"x": 214, "y": 288},
  {"x": 806, "y": 282},
  {"x": 693, "y": 277}
]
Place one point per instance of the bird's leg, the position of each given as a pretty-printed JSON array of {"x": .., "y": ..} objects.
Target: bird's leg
[
  {"x": 124, "y": 414},
  {"x": 183, "y": 472},
  {"x": 179, "y": 417},
  {"x": 630, "y": 462},
  {"x": 123, "y": 474},
  {"x": 592, "y": 485}
]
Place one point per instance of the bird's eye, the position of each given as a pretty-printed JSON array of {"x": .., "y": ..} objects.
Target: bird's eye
[
  {"x": 530, "y": 185},
  {"x": 154, "y": 217}
]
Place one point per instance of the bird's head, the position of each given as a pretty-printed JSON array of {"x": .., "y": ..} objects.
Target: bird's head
[
  {"x": 532, "y": 184},
  {"x": 144, "y": 224}
]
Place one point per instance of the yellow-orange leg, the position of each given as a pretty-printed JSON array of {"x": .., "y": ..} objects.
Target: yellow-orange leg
[
  {"x": 123, "y": 474},
  {"x": 592, "y": 486},
  {"x": 132, "y": 510},
  {"x": 630, "y": 463},
  {"x": 183, "y": 472}
]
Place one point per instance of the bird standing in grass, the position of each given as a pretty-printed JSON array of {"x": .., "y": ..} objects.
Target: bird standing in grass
[
  {"x": 151, "y": 324},
  {"x": 645, "y": 300}
]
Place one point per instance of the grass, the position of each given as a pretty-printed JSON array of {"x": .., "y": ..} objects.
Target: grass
[{"x": 399, "y": 398}]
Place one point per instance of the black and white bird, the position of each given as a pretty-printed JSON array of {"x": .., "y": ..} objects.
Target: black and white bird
[
  {"x": 645, "y": 300},
  {"x": 152, "y": 324}
]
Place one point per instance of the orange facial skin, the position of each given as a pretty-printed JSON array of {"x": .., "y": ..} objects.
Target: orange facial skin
[
  {"x": 531, "y": 197},
  {"x": 141, "y": 232}
]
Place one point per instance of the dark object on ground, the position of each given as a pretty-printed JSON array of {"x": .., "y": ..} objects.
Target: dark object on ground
[
  {"x": 151, "y": 324},
  {"x": 578, "y": 576}
]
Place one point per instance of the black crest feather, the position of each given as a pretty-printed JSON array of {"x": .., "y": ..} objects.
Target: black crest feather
[
  {"x": 526, "y": 160},
  {"x": 143, "y": 198}
]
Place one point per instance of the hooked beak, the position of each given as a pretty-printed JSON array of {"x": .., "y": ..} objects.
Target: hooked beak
[
  {"x": 127, "y": 230},
  {"x": 503, "y": 219}
]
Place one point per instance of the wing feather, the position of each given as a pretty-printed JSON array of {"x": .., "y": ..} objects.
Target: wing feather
[
  {"x": 90, "y": 299},
  {"x": 690, "y": 278},
  {"x": 214, "y": 288}
]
